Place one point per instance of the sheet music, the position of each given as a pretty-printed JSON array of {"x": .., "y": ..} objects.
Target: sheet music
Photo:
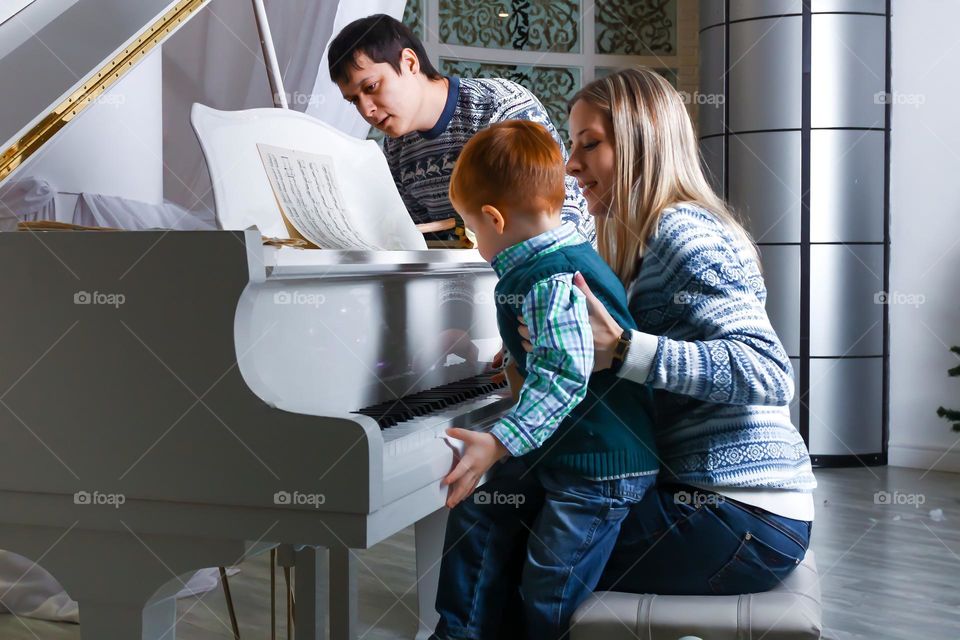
[{"x": 310, "y": 197}]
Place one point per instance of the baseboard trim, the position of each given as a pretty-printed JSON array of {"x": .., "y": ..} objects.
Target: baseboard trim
[{"x": 915, "y": 457}]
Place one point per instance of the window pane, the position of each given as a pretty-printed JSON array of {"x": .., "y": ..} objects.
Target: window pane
[
  {"x": 526, "y": 25},
  {"x": 636, "y": 27},
  {"x": 554, "y": 86}
]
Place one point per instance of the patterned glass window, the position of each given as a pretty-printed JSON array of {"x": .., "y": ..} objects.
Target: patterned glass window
[
  {"x": 412, "y": 12},
  {"x": 636, "y": 27},
  {"x": 669, "y": 74},
  {"x": 554, "y": 86},
  {"x": 545, "y": 45},
  {"x": 525, "y": 25}
]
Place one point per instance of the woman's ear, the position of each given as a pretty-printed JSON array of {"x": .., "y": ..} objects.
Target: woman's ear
[{"x": 493, "y": 215}]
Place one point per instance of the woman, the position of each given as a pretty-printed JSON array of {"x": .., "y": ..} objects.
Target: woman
[{"x": 733, "y": 507}]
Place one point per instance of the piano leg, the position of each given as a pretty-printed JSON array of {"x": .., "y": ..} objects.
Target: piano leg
[
  {"x": 287, "y": 559},
  {"x": 310, "y": 573},
  {"x": 343, "y": 594},
  {"x": 428, "y": 534}
]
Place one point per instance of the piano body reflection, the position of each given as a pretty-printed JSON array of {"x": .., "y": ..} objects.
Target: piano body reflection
[{"x": 173, "y": 400}]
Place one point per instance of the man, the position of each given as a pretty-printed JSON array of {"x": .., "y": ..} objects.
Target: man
[{"x": 382, "y": 68}]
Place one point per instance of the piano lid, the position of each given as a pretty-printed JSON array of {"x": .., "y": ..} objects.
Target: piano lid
[
  {"x": 12, "y": 7},
  {"x": 58, "y": 56}
]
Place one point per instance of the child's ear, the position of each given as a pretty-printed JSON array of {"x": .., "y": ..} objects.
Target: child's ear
[{"x": 494, "y": 216}]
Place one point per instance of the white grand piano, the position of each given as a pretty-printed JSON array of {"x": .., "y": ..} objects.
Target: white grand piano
[{"x": 174, "y": 400}]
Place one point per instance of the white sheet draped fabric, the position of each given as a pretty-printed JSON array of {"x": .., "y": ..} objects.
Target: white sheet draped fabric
[
  {"x": 96, "y": 210},
  {"x": 27, "y": 200},
  {"x": 31, "y": 592}
]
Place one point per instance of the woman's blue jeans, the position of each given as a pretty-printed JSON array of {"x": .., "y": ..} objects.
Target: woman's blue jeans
[
  {"x": 680, "y": 540},
  {"x": 676, "y": 540}
]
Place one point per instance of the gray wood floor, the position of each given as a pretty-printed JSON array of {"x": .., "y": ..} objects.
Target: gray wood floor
[{"x": 887, "y": 570}]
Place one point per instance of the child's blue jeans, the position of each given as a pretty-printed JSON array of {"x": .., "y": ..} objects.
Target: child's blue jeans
[{"x": 526, "y": 549}]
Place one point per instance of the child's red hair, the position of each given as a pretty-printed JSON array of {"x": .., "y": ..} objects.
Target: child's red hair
[{"x": 514, "y": 165}]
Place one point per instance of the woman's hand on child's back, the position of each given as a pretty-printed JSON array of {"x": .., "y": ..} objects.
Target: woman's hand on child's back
[{"x": 481, "y": 451}]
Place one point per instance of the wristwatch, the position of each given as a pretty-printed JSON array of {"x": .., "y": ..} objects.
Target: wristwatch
[{"x": 620, "y": 351}]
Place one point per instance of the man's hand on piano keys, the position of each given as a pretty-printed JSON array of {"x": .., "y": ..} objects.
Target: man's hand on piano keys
[
  {"x": 508, "y": 372},
  {"x": 515, "y": 380},
  {"x": 524, "y": 332},
  {"x": 458, "y": 342},
  {"x": 497, "y": 365},
  {"x": 481, "y": 451}
]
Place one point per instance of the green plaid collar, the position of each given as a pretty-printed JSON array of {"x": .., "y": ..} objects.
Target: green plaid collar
[{"x": 564, "y": 235}]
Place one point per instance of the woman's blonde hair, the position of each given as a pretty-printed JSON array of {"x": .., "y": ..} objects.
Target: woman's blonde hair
[{"x": 657, "y": 164}]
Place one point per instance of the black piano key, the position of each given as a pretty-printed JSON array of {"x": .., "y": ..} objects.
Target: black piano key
[
  {"x": 382, "y": 420},
  {"x": 433, "y": 404},
  {"x": 400, "y": 415},
  {"x": 442, "y": 401},
  {"x": 395, "y": 406},
  {"x": 453, "y": 397}
]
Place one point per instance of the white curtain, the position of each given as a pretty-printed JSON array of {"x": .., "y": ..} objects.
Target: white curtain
[{"x": 329, "y": 105}]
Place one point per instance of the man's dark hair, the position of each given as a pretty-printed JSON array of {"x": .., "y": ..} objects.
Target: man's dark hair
[{"x": 381, "y": 38}]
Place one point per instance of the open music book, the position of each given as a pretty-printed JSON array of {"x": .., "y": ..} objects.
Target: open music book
[{"x": 326, "y": 206}]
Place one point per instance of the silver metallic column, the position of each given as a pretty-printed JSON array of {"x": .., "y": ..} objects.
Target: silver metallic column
[{"x": 800, "y": 148}]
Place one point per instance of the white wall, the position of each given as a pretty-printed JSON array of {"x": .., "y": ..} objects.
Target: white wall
[{"x": 925, "y": 232}]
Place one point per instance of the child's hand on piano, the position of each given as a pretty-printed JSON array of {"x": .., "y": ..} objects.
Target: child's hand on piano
[{"x": 481, "y": 450}]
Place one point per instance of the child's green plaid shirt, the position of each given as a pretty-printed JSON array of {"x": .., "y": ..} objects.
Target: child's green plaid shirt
[{"x": 559, "y": 366}]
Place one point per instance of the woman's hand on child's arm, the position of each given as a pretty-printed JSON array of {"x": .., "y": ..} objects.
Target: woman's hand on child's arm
[{"x": 481, "y": 451}]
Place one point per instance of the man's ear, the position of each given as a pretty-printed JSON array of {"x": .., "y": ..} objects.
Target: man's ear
[
  {"x": 493, "y": 215},
  {"x": 410, "y": 61}
]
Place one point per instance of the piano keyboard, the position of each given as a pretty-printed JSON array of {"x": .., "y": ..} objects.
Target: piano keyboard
[
  {"x": 416, "y": 451},
  {"x": 393, "y": 412}
]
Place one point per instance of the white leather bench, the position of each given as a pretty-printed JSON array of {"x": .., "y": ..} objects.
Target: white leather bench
[{"x": 791, "y": 611}]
